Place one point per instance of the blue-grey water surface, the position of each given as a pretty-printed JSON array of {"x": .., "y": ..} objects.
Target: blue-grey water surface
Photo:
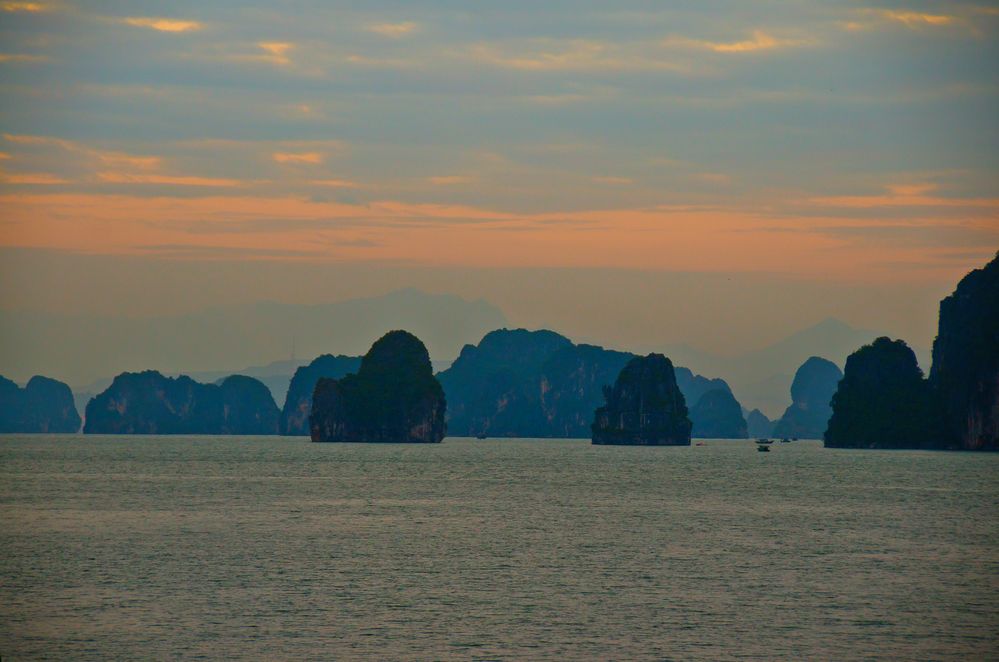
[{"x": 276, "y": 548}]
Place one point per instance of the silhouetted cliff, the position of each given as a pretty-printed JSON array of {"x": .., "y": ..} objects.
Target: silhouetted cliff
[
  {"x": 884, "y": 402},
  {"x": 965, "y": 372},
  {"x": 811, "y": 394},
  {"x": 717, "y": 415},
  {"x": 644, "y": 408},
  {"x": 149, "y": 403},
  {"x": 758, "y": 425},
  {"x": 572, "y": 381},
  {"x": 43, "y": 405},
  {"x": 519, "y": 383},
  {"x": 298, "y": 403},
  {"x": 695, "y": 386},
  {"x": 393, "y": 398},
  {"x": 494, "y": 388}
]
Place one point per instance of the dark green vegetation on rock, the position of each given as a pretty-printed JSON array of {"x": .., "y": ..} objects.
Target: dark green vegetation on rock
[
  {"x": 717, "y": 415},
  {"x": 758, "y": 425},
  {"x": 43, "y": 405},
  {"x": 812, "y": 390},
  {"x": 965, "y": 372},
  {"x": 494, "y": 388},
  {"x": 393, "y": 398},
  {"x": 883, "y": 401},
  {"x": 519, "y": 383},
  {"x": 149, "y": 403},
  {"x": 298, "y": 403},
  {"x": 644, "y": 408},
  {"x": 571, "y": 387}
]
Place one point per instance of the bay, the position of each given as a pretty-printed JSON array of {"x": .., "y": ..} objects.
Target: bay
[{"x": 276, "y": 548}]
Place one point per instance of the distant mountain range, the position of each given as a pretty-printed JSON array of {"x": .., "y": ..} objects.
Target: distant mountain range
[
  {"x": 761, "y": 379},
  {"x": 80, "y": 349},
  {"x": 87, "y": 351}
]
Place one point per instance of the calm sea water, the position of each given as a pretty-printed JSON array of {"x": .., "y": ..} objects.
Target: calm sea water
[{"x": 270, "y": 548}]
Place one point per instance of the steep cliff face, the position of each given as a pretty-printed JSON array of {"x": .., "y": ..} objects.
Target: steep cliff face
[
  {"x": 247, "y": 406},
  {"x": 965, "y": 372},
  {"x": 717, "y": 415},
  {"x": 298, "y": 403},
  {"x": 571, "y": 387},
  {"x": 149, "y": 403},
  {"x": 644, "y": 408},
  {"x": 43, "y": 405},
  {"x": 393, "y": 398},
  {"x": 758, "y": 425},
  {"x": 538, "y": 384},
  {"x": 493, "y": 388},
  {"x": 812, "y": 390},
  {"x": 884, "y": 402}
]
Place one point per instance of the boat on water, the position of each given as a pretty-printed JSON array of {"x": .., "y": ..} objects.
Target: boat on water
[
  {"x": 481, "y": 436},
  {"x": 785, "y": 440},
  {"x": 763, "y": 445}
]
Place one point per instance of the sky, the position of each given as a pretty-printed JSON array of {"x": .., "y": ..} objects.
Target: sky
[{"x": 629, "y": 172}]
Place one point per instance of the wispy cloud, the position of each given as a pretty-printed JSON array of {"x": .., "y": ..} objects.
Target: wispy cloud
[
  {"x": 450, "y": 180},
  {"x": 162, "y": 24},
  {"x": 393, "y": 30},
  {"x": 912, "y": 19},
  {"x": 277, "y": 51},
  {"x": 907, "y": 195},
  {"x": 870, "y": 19},
  {"x": 612, "y": 181},
  {"x": 298, "y": 157},
  {"x": 335, "y": 183},
  {"x": 169, "y": 180},
  {"x": 22, "y": 57},
  {"x": 573, "y": 55},
  {"x": 30, "y": 7},
  {"x": 759, "y": 41},
  {"x": 31, "y": 178}
]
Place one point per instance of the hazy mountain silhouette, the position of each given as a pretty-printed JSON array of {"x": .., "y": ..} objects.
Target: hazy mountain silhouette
[
  {"x": 761, "y": 379},
  {"x": 81, "y": 348}
]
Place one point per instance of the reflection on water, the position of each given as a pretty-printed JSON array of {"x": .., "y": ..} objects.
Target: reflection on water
[{"x": 278, "y": 548}]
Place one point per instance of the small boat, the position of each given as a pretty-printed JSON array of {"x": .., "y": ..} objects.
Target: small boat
[
  {"x": 700, "y": 443},
  {"x": 785, "y": 440},
  {"x": 763, "y": 445},
  {"x": 480, "y": 436}
]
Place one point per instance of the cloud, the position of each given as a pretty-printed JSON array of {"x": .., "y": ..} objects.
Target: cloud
[
  {"x": 30, "y": 7},
  {"x": 760, "y": 41},
  {"x": 277, "y": 51},
  {"x": 612, "y": 181},
  {"x": 32, "y": 178},
  {"x": 168, "y": 180},
  {"x": 162, "y": 24},
  {"x": 335, "y": 183},
  {"x": 450, "y": 180},
  {"x": 911, "y": 19},
  {"x": 573, "y": 55},
  {"x": 21, "y": 57},
  {"x": 302, "y": 157},
  {"x": 393, "y": 30},
  {"x": 907, "y": 195}
]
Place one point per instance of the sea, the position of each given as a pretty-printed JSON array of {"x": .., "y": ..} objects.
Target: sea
[{"x": 270, "y": 548}]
